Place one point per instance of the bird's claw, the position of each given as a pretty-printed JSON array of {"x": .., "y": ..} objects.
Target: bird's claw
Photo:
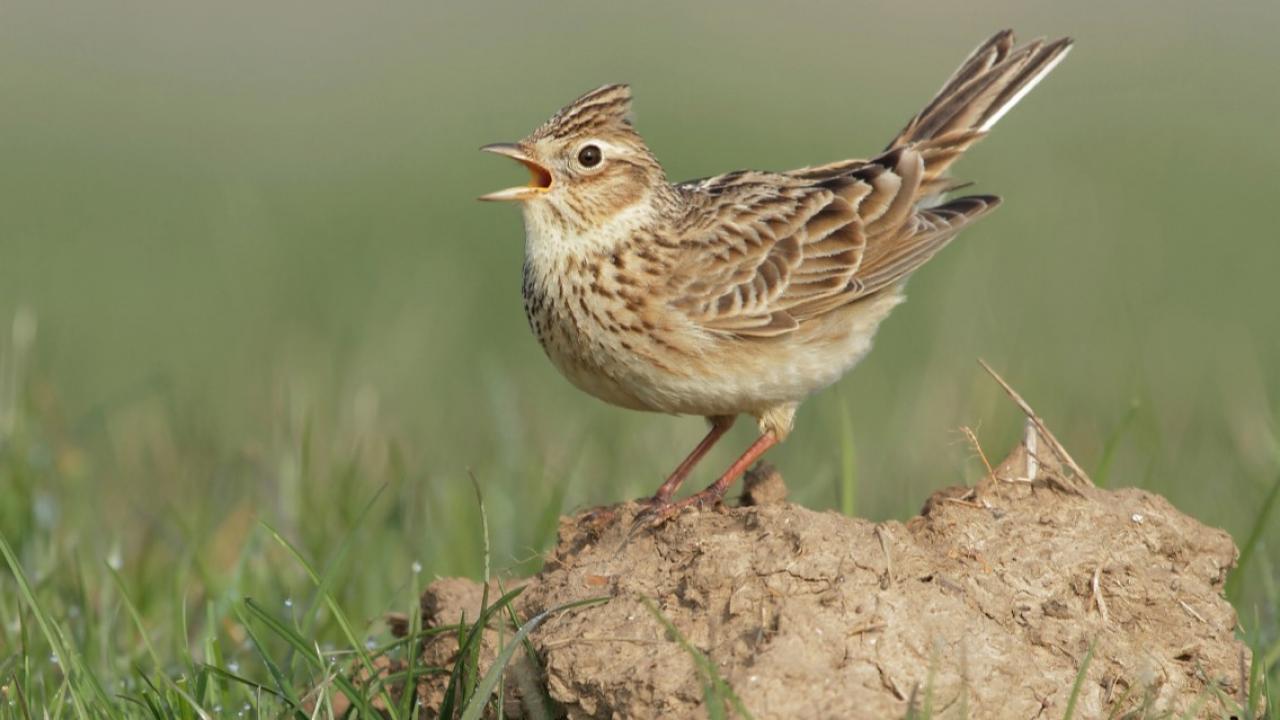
[
  {"x": 657, "y": 511},
  {"x": 652, "y": 513}
]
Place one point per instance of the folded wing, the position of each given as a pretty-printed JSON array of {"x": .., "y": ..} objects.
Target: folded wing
[
  {"x": 774, "y": 250},
  {"x": 777, "y": 250}
]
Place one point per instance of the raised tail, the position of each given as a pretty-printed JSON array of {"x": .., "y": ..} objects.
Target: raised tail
[{"x": 987, "y": 85}]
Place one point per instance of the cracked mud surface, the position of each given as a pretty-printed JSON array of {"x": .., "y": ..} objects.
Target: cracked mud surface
[{"x": 994, "y": 592}]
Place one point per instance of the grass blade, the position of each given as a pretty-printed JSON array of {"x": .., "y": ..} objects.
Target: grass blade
[
  {"x": 535, "y": 691},
  {"x": 410, "y": 695},
  {"x": 241, "y": 680},
  {"x": 282, "y": 630},
  {"x": 1079, "y": 683},
  {"x": 480, "y": 698},
  {"x": 341, "y": 618},
  {"x": 719, "y": 690},
  {"x": 468, "y": 653},
  {"x": 134, "y": 615},
  {"x": 913, "y": 710},
  {"x": 69, "y": 660},
  {"x": 330, "y": 574},
  {"x": 151, "y": 650},
  {"x": 472, "y": 665},
  {"x": 1260, "y": 525},
  {"x": 308, "y": 651}
]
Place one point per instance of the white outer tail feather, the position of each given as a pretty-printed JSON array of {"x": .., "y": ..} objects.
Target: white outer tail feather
[{"x": 991, "y": 121}]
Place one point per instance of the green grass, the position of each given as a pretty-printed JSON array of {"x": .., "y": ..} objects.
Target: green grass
[
  {"x": 718, "y": 696},
  {"x": 245, "y": 290},
  {"x": 100, "y": 637},
  {"x": 1070, "y": 712}
]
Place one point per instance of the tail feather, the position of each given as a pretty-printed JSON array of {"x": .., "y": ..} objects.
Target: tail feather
[
  {"x": 987, "y": 85},
  {"x": 1036, "y": 67},
  {"x": 979, "y": 61}
]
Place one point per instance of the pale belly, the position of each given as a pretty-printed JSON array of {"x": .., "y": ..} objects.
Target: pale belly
[{"x": 721, "y": 375}]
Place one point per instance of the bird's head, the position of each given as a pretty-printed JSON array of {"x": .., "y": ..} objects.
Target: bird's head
[{"x": 588, "y": 166}]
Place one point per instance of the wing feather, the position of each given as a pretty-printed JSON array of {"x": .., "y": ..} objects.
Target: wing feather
[
  {"x": 784, "y": 248},
  {"x": 764, "y": 253}
]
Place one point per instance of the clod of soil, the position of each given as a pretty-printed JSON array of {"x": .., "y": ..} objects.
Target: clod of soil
[{"x": 988, "y": 602}]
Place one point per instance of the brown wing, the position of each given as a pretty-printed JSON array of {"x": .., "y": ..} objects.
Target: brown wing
[{"x": 771, "y": 251}]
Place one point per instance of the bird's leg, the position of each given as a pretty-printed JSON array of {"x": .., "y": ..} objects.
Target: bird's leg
[
  {"x": 714, "y": 492},
  {"x": 720, "y": 425}
]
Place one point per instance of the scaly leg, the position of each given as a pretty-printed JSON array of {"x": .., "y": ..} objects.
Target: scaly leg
[
  {"x": 720, "y": 425},
  {"x": 714, "y": 492}
]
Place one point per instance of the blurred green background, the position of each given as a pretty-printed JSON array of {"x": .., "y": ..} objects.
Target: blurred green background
[{"x": 247, "y": 278}]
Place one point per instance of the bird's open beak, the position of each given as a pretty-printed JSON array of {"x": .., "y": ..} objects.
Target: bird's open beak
[{"x": 539, "y": 183}]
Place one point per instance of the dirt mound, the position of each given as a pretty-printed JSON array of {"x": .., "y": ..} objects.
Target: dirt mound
[{"x": 986, "y": 605}]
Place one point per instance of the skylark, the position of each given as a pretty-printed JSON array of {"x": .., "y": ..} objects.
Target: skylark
[{"x": 745, "y": 292}]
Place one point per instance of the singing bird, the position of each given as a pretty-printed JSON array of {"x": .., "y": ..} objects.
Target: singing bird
[{"x": 746, "y": 292}]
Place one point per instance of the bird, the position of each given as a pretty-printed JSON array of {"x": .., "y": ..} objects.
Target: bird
[{"x": 746, "y": 292}]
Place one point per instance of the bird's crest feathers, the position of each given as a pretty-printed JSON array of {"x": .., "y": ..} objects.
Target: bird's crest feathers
[{"x": 608, "y": 106}]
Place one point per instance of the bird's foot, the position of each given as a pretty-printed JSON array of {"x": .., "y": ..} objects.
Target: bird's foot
[
  {"x": 710, "y": 498},
  {"x": 651, "y": 511},
  {"x": 659, "y": 510}
]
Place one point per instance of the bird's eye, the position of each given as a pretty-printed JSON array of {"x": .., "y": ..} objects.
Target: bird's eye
[{"x": 589, "y": 156}]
